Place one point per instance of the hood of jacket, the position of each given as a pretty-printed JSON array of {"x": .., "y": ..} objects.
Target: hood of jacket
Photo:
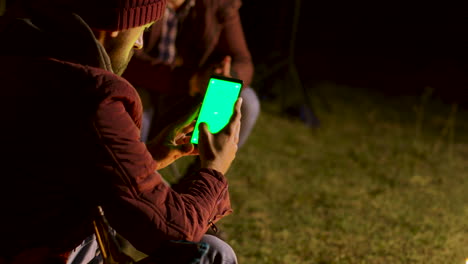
[{"x": 53, "y": 34}]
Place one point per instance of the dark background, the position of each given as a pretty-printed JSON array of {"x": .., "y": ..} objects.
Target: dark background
[{"x": 398, "y": 48}]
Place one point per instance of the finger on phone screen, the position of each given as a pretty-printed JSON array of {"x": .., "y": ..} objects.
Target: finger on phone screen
[{"x": 203, "y": 133}]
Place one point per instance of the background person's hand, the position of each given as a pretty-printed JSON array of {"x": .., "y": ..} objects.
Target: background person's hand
[
  {"x": 217, "y": 151},
  {"x": 199, "y": 81},
  {"x": 224, "y": 68}
]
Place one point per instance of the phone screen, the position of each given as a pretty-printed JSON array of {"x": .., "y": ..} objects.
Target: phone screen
[{"x": 218, "y": 104}]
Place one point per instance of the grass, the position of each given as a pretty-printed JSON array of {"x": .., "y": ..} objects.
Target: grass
[{"x": 383, "y": 180}]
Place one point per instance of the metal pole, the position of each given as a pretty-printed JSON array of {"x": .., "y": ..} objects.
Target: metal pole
[
  {"x": 292, "y": 45},
  {"x": 292, "y": 65},
  {"x": 295, "y": 23}
]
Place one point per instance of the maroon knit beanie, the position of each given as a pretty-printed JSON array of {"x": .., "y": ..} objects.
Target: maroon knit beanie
[{"x": 111, "y": 15}]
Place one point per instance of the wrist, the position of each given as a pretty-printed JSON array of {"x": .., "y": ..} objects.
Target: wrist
[{"x": 213, "y": 165}]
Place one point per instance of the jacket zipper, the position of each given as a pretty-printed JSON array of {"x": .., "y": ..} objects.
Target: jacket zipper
[{"x": 211, "y": 224}]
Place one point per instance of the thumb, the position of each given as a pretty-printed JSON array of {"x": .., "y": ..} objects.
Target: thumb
[
  {"x": 204, "y": 143},
  {"x": 204, "y": 133},
  {"x": 205, "y": 138}
]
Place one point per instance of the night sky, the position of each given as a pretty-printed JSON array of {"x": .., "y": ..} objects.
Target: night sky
[{"x": 396, "y": 47}]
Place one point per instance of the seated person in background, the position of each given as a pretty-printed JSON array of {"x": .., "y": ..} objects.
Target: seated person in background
[
  {"x": 72, "y": 138},
  {"x": 194, "y": 39}
]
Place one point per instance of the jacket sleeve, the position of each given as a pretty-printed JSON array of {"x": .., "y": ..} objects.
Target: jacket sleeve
[
  {"x": 141, "y": 207},
  {"x": 144, "y": 71},
  {"x": 232, "y": 41}
]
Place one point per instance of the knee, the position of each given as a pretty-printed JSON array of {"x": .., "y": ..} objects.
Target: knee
[
  {"x": 219, "y": 252},
  {"x": 251, "y": 103}
]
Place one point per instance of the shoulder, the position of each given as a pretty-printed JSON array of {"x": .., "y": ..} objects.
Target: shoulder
[
  {"x": 227, "y": 9},
  {"x": 103, "y": 88},
  {"x": 99, "y": 80},
  {"x": 110, "y": 82}
]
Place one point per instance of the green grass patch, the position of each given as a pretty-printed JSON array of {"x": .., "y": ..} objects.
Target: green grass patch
[{"x": 382, "y": 181}]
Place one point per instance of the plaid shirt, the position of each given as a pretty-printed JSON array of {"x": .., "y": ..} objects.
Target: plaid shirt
[{"x": 166, "y": 46}]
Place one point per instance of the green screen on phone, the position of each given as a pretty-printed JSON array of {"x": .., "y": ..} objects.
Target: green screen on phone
[{"x": 218, "y": 104}]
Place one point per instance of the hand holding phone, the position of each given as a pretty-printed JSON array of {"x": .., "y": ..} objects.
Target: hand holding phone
[
  {"x": 217, "y": 151},
  {"x": 218, "y": 104}
]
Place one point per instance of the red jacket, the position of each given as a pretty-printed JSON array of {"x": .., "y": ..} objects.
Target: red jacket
[{"x": 71, "y": 141}]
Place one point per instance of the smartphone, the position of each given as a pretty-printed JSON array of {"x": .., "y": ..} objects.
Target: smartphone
[{"x": 218, "y": 104}]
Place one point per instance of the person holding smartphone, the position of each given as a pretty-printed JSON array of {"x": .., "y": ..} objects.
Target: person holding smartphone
[
  {"x": 195, "y": 39},
  {"x": 72, "y": 140}
]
